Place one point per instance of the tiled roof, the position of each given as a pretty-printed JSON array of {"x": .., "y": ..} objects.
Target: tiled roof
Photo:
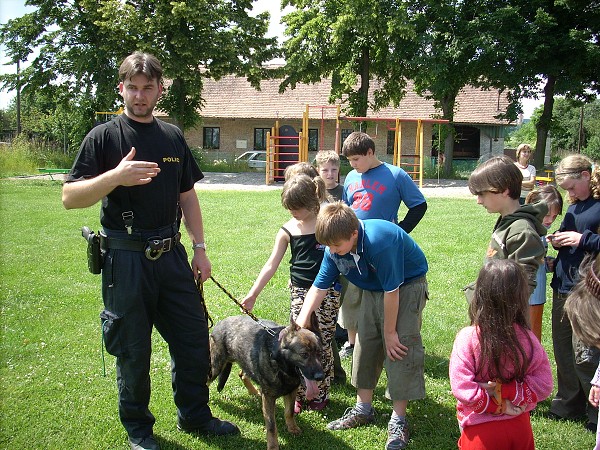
[{"x": 233, "y": 97}]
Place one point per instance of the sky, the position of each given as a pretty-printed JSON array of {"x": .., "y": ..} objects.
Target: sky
[{"x": 10, "y": 9}]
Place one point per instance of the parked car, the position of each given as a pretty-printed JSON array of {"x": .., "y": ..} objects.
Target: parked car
[{"x": 255, "y": 159}]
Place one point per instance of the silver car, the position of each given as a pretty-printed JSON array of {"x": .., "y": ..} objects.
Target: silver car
[{"x": 255, "y": 159}]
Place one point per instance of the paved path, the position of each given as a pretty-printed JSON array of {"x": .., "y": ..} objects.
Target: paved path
[{"x": 255, "y": 181}]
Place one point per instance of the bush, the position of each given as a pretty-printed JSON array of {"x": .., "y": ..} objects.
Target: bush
[
  {"x": 593, "y": 148},
  {"x": 23, "y": 157},
  {"x": 16, "y": 159},
  {"x": 211, "y": 161}
]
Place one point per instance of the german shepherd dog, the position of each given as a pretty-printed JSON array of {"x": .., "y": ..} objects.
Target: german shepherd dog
[{"x": 274, "y": 363}]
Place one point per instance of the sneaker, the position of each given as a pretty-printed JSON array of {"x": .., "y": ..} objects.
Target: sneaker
[
  {"x": 352, "y": 419},
  {"x": 147, "y": 443},
  {"x": 297, "y": 407},
  {"x": 214, "y": 427},
  {"x": 314, "y": 405},
  {"x": 346, "y": 350},
  {"x": 397, "y": 435}
]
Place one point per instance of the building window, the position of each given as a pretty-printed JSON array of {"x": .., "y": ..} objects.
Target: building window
[
  {"x": 391, "y": 135},
  {"x": 467, "y": 142},
  {"x": 211, "y": 138},
  {"x": 260, "y": 138},
  {"x": 313, "y": 139},
  {"x": 345, "y": 133}
]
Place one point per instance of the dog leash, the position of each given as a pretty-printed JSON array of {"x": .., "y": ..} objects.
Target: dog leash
[
  {"x": 200, "y": 287},
  {"x": 242, "y": 307}
]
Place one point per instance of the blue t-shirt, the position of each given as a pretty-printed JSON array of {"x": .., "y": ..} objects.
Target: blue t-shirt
[
  {"x": 377, "y": 193},
  {"x": 386, "y": 257}
]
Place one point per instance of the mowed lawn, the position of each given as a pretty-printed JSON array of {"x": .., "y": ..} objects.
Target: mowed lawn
[{"x": 54, "y": 394}]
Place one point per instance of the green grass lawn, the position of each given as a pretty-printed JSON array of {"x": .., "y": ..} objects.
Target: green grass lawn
[{"x": 53, "y": 394}]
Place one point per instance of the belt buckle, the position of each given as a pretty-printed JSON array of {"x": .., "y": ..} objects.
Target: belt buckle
[
  {"x": 154, "y": 249},
  {"x": 167, "y": 244}
]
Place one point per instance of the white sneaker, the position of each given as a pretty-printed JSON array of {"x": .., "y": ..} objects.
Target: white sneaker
[{"x": 346, "y": 350}]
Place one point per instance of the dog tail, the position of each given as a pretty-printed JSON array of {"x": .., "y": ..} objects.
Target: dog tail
[{"x": 223, "y": 376}]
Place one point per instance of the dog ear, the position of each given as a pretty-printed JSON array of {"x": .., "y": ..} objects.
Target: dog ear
[
  {"x": 293, "y": 325},
  {"x": 314, "y": 326},
  {"x": 282, "y": 333}
]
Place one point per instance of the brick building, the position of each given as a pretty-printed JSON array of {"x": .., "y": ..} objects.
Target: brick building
[{"x": 236, "y": 118}]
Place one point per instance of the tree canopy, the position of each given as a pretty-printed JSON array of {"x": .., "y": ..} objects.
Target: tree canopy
[
  {"x": 369, "y": 49},
  {"x": 346, "y": 40},
  {"x": 80, "y": 44},
  {"x": 442, "y": 46},
  {"x": 548, "y": 43},
  {"x": 575, "y": 128}
]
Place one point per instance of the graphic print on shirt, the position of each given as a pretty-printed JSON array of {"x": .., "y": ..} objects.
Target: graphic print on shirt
[
  {"x": 362, "y": 193},
  {"x": 344, "y": 265}
]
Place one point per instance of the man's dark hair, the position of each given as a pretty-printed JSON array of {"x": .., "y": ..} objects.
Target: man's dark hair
[{"x": 141, "y": 63}]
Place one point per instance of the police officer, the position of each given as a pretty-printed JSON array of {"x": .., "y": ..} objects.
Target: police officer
[{"x": 143, "y": 171}]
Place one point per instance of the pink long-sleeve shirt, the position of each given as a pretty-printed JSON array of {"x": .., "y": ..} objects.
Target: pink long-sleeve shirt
[{"x": 474, "y": 405}]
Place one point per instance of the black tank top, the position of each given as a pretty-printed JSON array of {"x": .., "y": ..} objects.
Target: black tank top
[{"x": 305, "y": 262}]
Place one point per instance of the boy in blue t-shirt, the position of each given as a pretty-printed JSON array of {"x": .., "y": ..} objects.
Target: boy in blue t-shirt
[
  {"x": 383, "y": 260},
  {"x": 374, "y": 190}
]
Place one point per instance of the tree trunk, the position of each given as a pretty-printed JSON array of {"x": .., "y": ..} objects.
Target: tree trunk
[
  {"x": 447, "y": 104},
  {"x": 449, "y": 151},
  {"x": 177, "y": 86},
  {"x": 365, "y": 76},
  {"x": 543, "y": 125}
]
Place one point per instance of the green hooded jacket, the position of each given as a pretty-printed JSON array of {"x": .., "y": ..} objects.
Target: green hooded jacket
[{"x": 518, "y": 236}]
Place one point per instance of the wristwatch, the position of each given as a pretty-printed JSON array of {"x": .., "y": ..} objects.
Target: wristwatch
[{"x": 199, "y": 245}]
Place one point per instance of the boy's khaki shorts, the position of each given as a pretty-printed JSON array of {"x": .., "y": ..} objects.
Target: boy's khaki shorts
[
  {"x": 406, "y": 380},
  {"x": 350, "y": 301}
]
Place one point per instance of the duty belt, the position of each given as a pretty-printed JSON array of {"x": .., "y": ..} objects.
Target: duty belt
[{"x": 153, "y": 247}]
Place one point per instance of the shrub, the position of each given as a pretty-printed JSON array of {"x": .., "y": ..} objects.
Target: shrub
[{"x": 23, "y": 157}]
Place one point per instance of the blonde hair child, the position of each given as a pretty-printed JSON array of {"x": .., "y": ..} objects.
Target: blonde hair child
[
  {"x": 304, "y": 168},
  {"x": 576, "y": 238},
  {"x": 553, "y": 199},
  {"x": 301, "y": 197},
  {"x": 328, "y": 165}
]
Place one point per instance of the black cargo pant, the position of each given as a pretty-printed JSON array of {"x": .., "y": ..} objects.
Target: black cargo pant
[
  {"x": 575, "y": 366},
  {"x": 162, "y": 294}
]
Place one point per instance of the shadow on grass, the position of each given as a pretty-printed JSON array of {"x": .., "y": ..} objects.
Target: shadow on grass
[
  {"x": 240, "y": 442},
  {"x": 436, "y": 366},
  {"x": 313, "y": 424}
]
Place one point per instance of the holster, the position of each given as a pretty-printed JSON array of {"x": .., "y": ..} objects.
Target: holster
[{"x": 95, "y": 253}]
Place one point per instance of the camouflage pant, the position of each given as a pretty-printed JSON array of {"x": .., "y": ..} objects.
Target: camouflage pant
[{"x": 327, "y": 316}]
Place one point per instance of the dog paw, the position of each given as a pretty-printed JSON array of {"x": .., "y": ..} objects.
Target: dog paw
[{"x": 295, "y": 430}]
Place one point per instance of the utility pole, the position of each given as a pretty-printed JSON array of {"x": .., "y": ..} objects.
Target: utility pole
[
  {"x": 18, "y": 98},
  {"x": 580, "y": 134}
]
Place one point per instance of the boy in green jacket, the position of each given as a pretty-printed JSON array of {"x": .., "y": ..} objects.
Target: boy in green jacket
[{"x": 516, "y": 235}]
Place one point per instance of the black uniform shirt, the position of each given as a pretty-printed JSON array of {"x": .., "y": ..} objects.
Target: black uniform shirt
[{"x": 155, "y": 204}]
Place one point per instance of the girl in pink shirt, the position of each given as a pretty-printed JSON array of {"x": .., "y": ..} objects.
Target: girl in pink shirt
[{"x": 499, "y": 371}]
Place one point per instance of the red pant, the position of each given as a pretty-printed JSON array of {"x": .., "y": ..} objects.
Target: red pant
[{"x": 510, "y": 434}]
